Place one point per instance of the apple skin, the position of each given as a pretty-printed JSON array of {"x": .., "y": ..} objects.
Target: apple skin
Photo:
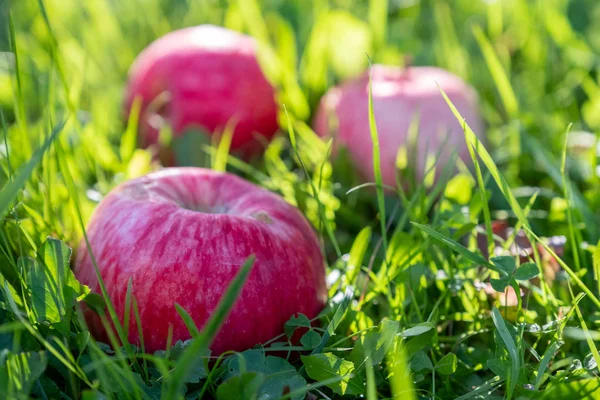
[
  {"x": 181, "y": 235},
  {"x": 212, "y": 76},
  {"x": 398, "y": 95}
]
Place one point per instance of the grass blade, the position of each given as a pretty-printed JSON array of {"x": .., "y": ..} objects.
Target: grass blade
[
  {"x": 220, "y": 160},
  {"x": 378, "y": 14},
  {"x": 457, "y": 247},
  {"x": 569, "y": 271},
  {"x": 512, "y": 351},
  {"x": 588, "y": 337},
  {"x": 487, "y": 159},
  {"x": 322, "y": 216},
  {"x": 190, "y": 356},
  {"x": 546, "y": 359},
  {"x": 509, "y": 99},
  {"x": 377, "y": 163},
  {"x": 10, "y": 191},
  {"x": 401, "y": 383},
  {"x": 188, "y": 321},
  {"x": 129, "y": 138}
]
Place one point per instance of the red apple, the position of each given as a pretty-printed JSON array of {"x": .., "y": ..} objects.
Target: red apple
[
  {"x": 181, "y": 235},
  {"x": 203, "y": 77},
  {"x": 399, "y": 95}
]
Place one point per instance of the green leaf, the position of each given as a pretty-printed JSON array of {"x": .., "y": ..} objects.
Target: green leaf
[
  {"x": 499, "y": 367},
  {"x": 199, "y": 370},
  {"x": 375, "y": 343},
  {"x": 419, "y": 342},
  {"x": 310, "y": 340},
  {"x": 301, "y": 321},
  {"x": 54, "y": 288},
  {"x": 20, "y": 371},
  {"x": 505, "y": 263},
  {"x": 94, "y": 301},
  {"x": 527, "y": 271},
  {"x": 325, "y": 366},
  {"x": 500, "y": 285},
  {"x": 447, "y": 365},
  {"x": 241, "y": 387},
  {"x": 420, "y": 361},
  {"x": 460, "y": 188},
  {"x": 279, "y": 376},
  {"x": 574, "y": 390},
  {"x": 418, "y": 329},
  {"x": 335, "y": 320}
]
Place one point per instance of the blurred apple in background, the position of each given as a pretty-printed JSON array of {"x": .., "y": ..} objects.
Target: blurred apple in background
[
  {"x": 181, "y": 235},
  {"x": 203, "y": 78},
  {"x": 400, "y": 96}
]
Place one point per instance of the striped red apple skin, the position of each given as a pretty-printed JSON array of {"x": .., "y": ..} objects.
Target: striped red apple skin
[
  {"x": 181, "y": 235},
  {"x": 399, "y": 96},
  {"x": 203, "y": 77}
]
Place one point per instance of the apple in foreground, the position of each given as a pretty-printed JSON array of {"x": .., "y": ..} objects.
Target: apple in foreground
[
  {"x": 203, "y": 77},
  {"x": 181, "y": 235},
  {"x": 399, "y": 96}
]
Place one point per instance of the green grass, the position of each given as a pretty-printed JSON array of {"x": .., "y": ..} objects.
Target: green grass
[{"x": 407, "y": 316}]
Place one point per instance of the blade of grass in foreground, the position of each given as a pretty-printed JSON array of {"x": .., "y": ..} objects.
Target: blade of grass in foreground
[
  {"x": 328, "y": 227},
  {"x": 474, "y": 142},
  {"x": 564, "y": 266},
  {"x": 377, "y": 164},
  {"x": 62, "y": 156},
  {"x": 378, "y": 15},
  {"x": 129, "y": 138},
  {"x": 549, "y": 165},
  {"x": 190, "y": 357},
  {"x": 575, "y": 245},
  {"x": 588, "y": 337},
  {"x": 20, "y": 103},
  {"x": 485, "y": 156},
  {"x": 220, "y": 157},
  {"x": 545, "y": 362},
  {"x": 9, "y": 193},
  {"x": 487, "y": 388},
  {"x": 482, "y": 192},
  {"x": 370, "y": 376},
  {"x": 74, "y": 368},
  {"x": 509, "y": 99},
  {"x": 457, "y": 247},
  {"x": 512, "y": 351},
  {"x": 400, "y": 378}
]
